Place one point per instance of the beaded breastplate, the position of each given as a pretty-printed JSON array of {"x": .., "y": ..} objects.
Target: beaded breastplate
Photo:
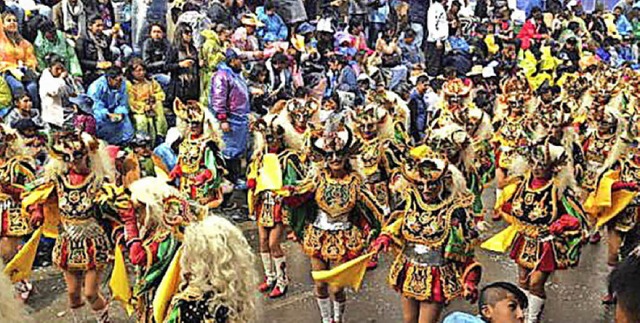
[
  {"x": 191, "y": 154},
  {"x": 76, "y": 202},
  {"x": 427, "y": 224},
  {"x": 337, "y": 197},
  {"x": 535, "y": 206}
]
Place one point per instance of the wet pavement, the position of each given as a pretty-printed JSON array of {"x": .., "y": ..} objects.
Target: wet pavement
[{"x": 573, "y": 295}]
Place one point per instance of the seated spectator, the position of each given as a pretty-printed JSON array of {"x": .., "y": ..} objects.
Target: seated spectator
[
  {"x": 70, "y": 17},
  {"x": 245, "y": 40},
  {"x": 50, "y": 40},
  {"x": 155, "y": 51},
  {"x": 111, "y": 108},
  {"x": 55, "y": 89},
  {"x": 259, "y": 89},
  {"x": 93, "y": 51},
  {"x": 23, "y": 110},
  {"x": 622, "y": 23},
  {"x": 344, "y": 78},
  {"x": 499, "y": 302},
  {"x": 145, "y": 101},
  {"x": 168, "y": 150},
  {"x": 34, "y": 140},
  {"x": 625, "y": 286},
  {"x": 82, "y": 114},
  {"x": 274, "y": 28},
  {"x": 18, "y": 62},
  {"x": 280, "y": 82}
]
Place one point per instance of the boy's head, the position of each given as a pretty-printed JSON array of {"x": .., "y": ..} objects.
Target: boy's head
[
  {"x": 270, "y": 8},
  {"x": 502, "y": 302},
  {"x": 409, "y": 36},
  {"x": 625, "y": 286}
]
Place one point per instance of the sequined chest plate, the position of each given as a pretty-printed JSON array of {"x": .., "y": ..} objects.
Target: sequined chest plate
[
  {"x": 337, "y": 197},
  {"x": 76, "y": 202}
]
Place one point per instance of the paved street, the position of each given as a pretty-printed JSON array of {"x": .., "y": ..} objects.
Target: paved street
[{"x": 574, "y": 294}]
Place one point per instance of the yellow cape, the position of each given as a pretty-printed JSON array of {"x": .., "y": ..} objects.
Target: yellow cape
[
  {"x": 19, "y": 268},
  {"x": 348, "y": 274},
  {"x": 167, "y": 288},
  {"x": 119, "y": 282},
  {"x": 501, "y": 241},
  {"x": 602, "y": 205}
]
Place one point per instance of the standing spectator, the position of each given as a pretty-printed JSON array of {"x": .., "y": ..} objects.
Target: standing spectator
[
  {"x": 70, "y": 17},
  {"x": 55, "y": 89},
  {"x": 230, "y": 104},
  {"x": 93, "y": 51},
  {"x": 291, "y": 11},
  {"x": 145, "y": 101},
  {"x": 274, "y": 29},
  {"x": 219, "y": 12},
  {"x": 212, "y": 53},
  {"x": 378, "y": 17},
  {"x": 111, "y": 108},
  {"x": 417, "y": 18},
  {"x": 183, "y": 63},
  {"x": 155, "y": 52},
  {"x": 438, "y": 32},
  {"x": 358, "y": 10},
  {"x": 50, "y": 40},
  {"x": 17, "y": 59},
  {"x": 420, "y": 111}
]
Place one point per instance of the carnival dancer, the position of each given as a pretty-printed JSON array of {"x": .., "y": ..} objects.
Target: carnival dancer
[
  {"x": 297, "y": 117},
  {"x": 378, "y": 156},
  {"x": 614, "y": 204},
  {"x": 200, "y": 166},
  {"x": 548, "y": 225},
  {"x": 512, "y": 124},
  {"x": 346, "y": 217},
  {"x": 17, "y": 170},
  {"x": 435, "y": 230},
  {"x": 216, "y": 277},
  {"x": 74, "y": 197},
  {"x": 274, "y": 165},
  {"x": 454, "y": 143},
  {"x": 162, "y": 214}
]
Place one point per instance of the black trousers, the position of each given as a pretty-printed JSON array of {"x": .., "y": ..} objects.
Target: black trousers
[{"x": 434, "y": 58}]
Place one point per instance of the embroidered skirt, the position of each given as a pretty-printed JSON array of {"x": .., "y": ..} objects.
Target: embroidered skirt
[
  {"x": 333, "y": 245},
  {"x": 439, "y": 282},
  {"x": 13, "y": 223},
  {"x": 546, "y": 256},
  {"x": 81, "y": 246}
]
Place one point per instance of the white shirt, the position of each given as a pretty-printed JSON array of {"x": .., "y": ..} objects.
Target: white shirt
[
  {"x": 51, "y": 91},
  {"x": 437, "y": 23}
]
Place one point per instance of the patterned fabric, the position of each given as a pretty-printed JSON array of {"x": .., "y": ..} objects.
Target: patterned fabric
[
  {"x": 14, "y": 175},
  {"x": 339, "y": 246},
  {"x": 533, "y": 212},
  {"x": 439, "y": 284}
]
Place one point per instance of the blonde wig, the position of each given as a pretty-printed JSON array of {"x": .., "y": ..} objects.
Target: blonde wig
[
  {"x": 10, "y": 310},
  {"x": 217, "y": 259}
]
